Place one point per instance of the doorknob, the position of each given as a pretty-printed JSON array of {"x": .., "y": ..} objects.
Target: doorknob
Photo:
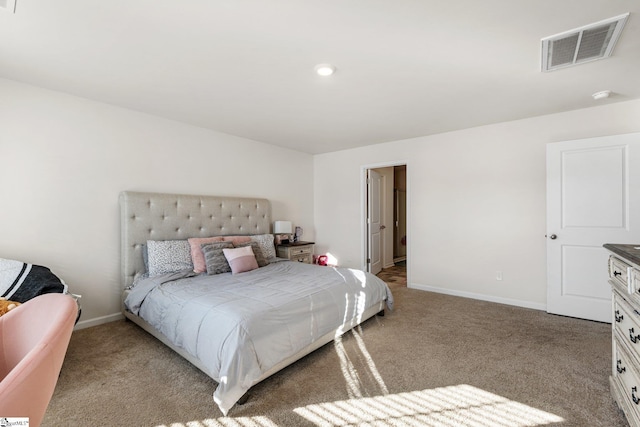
[{"x": 553, "y": 237}]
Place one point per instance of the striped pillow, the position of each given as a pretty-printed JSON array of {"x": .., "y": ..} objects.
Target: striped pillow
[
  {"x": 240, "y": 259},
  {"x": 197, "y": 255},
  {"x": 214, "y": 258}
]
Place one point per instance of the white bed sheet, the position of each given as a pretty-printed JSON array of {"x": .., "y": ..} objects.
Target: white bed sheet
[{"x": 240, "y": 326}]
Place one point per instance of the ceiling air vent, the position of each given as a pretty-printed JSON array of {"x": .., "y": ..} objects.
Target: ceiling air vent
[{"x": 584, "y": 44}]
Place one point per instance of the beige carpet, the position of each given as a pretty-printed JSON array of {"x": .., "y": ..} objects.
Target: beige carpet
[{"x": 437, "y": 360}]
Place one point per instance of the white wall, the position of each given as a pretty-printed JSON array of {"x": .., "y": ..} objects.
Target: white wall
[
  {"x": 64, "y": 160},
  {"x": 476, "y": 201},
  {"x": 476, "y": 198}
]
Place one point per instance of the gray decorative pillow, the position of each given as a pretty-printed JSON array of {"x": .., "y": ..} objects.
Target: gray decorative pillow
[
  {"x": 265, "y": 241},
  {"x": 168, "y": 256},
  {"x": 214, "y": 257},
  {"x": 257, "y": 251}
]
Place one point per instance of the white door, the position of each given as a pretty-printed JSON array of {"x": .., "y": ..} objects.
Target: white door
[
  {"x": 374, "y": 249},
  {"x": 593, "y": 198}
]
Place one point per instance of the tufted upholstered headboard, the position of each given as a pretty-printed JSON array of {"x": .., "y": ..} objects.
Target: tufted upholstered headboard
[{"x": 159, "y": 216}]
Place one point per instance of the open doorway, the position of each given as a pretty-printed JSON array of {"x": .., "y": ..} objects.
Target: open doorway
[
  {"x": 385, "y": 222},
  {"x": 400, "y": 215}
]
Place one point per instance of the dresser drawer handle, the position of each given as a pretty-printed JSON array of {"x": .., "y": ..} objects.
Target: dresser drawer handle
[
  {"x": 634, "y": 338},
  {"x": 619, "y": 367},
  {"x": 635, "y": 398},
  {"x": 618, "y": 316},
  {"x": 617, "y": 273}
]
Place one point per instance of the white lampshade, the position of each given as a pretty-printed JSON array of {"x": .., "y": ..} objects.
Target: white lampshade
[{"x": 282, "y": 227}]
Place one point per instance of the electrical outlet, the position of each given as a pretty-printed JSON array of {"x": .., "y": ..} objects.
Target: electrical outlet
[{"x": 499, "y": 275}]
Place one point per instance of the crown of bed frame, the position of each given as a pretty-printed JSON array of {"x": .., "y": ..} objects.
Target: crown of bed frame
[{"x": 160, "y": 216}]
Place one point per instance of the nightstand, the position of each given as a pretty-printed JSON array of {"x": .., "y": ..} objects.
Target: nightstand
[{"x": 296, "y": 251}]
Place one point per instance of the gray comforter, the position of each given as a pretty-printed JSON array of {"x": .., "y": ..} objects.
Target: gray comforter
[{"x": 240, "y": 326}]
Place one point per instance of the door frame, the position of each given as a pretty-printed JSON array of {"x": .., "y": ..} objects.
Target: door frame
[
  {"x": 363, "y": 212},
  {"x": 593, "y": 308}
]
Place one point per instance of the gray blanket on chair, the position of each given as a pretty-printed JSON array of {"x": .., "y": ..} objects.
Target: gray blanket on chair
[{"x": 21, "y": 282}]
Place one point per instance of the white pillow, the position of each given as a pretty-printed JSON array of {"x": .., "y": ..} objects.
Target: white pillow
[
  {"x": 265, "y": 241},
  {"x": 168, "y": 256}
]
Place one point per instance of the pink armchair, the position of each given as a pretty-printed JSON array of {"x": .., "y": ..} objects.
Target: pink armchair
[{"x": 33, "y": 342}]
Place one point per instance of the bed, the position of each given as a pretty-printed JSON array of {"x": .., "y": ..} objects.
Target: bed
[{"x": 238, "y": 327}]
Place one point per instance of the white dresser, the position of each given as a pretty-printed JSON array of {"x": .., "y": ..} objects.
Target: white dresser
[{"x": 624, "y": 278}]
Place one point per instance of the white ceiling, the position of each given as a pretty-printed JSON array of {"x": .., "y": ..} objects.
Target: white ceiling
[{"x": 405, "y": 68}]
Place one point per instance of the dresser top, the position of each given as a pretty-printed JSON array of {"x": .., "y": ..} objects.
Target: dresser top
[
  {"x": 628, "y": 252},
  {"x": 298, "y": 243}
]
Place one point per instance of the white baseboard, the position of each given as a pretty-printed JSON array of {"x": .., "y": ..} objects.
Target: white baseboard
[
  {"x": 98, "y": 321},
  {"x": 481, "y": 297}
]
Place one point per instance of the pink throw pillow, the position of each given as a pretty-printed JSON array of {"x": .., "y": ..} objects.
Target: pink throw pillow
[
  {"x": 240, "y": 259},
  {"x": 197, "y": 256}
]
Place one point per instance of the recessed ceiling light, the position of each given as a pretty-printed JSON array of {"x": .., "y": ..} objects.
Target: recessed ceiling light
[
  {"x": 325, "y": 69},
  {"x": 601, "y": 95}
]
